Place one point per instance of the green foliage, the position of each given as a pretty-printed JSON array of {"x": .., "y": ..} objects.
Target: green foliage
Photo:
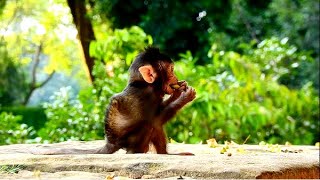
[
  {"x": 2, "y": 5},
  {"x": 187, "y": 26},
  {"x": 32, "y": 116},
  {"x": 298, "y": 20},
  {"x": 280, "y": 61},
  {"x": 12, "y": 81},
  {"x": 238, "y": 95},
  {"x": 120, "y": 45},
  {"x": 12, "y": 131},
  {"x": 49, "y": 23},
  {"x": 70, "y": 119},
  {"x": 196, "y": 25},
  {"x": 22, "y": 31},
  {"x": 174, "y": 25}
]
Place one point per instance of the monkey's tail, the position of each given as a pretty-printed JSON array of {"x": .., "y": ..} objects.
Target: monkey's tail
[{"x": 107, "y": 149}]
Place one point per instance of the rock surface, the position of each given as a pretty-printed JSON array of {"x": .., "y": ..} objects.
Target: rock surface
[{"x": 239, "y": 161}]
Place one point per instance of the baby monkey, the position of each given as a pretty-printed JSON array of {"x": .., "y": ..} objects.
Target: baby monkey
[{"x": 135, "y": 118}]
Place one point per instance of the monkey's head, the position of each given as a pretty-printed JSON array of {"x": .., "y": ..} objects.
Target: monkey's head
[{"x": 154, "y": 67}]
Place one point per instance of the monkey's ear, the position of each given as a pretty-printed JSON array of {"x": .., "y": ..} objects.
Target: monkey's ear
[{"x": 148, "y": 73}]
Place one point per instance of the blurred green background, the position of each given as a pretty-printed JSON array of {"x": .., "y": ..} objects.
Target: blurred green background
[{"x": 253, "y": 63}]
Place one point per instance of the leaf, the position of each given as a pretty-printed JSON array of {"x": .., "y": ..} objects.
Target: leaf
[
  {"x": 223, "y": 150},
  {"x": 212, "y": 143},
  {"x": 262, "y": 143},
  {"x": 241, "y": 150},
  {"x": 172, "y": 141}
]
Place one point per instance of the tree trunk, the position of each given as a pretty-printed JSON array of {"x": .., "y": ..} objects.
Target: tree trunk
[{"x": 85, "y": 30}]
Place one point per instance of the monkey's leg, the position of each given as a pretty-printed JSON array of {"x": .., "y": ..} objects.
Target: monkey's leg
[
  {"x": 138, "y": 149},
  {"x": 159, "y": 141},
  {"x": 138, "y": 142},
  {"x": 108, "y": 149}
]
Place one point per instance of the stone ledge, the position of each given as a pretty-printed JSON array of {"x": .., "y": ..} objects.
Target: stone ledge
[{"x": 251, "y": 162}]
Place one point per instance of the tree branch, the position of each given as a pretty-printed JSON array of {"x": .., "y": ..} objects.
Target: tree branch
[
  {"x": 35, "y": 65},
  {"x": 46, "y": 80},
  {"x": 33, "y": 84}
]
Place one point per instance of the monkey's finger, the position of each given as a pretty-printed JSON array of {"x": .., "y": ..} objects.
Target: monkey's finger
[
  {"x": 191, "y": 92},
  {"x": 182, "y": 88},
  {"x": 194, "y": 93},
  {"x": 182, "y": 83},
  {"x": 192, "y": 89},
  {"x": 185, "y": 84}
]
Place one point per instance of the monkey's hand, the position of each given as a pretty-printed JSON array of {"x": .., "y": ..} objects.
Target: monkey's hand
[
  {"x": 187, "y": 96},
  {"x": 183, "y": 93},
  {"x": 177, "y": 92},
  {"x": 178, "y": 89}
]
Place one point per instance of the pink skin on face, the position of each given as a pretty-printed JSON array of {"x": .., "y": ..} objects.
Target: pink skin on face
[{"x": 172, "y": 80}]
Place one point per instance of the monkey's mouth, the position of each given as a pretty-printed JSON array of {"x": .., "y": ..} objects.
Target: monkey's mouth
[{"x": 169, "y": 89}]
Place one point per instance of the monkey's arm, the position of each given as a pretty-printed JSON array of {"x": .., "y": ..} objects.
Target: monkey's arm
[{"x": 171, "y": 109}]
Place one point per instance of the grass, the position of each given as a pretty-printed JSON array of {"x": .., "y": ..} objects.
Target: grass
[{"x": 10, "y": 169}]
